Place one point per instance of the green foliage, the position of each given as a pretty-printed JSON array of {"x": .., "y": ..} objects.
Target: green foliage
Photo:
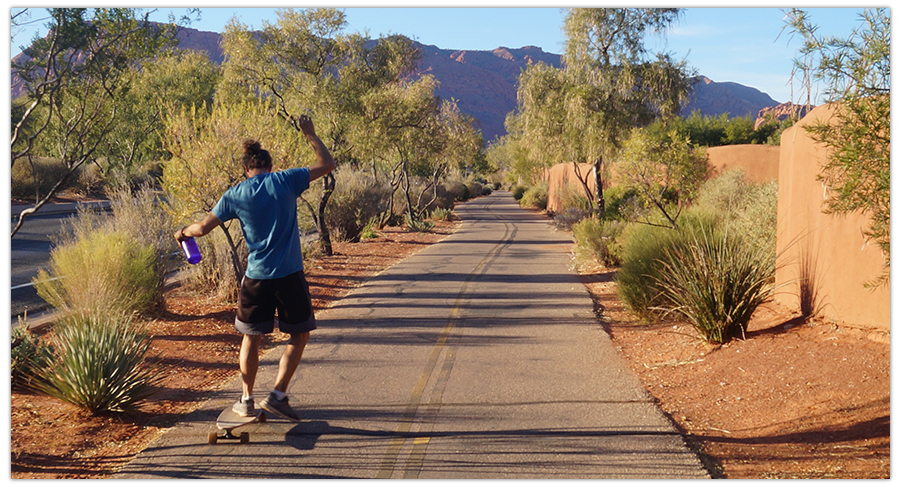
[
  {"x": 29, "y": 354},
  {"x": 535, "y": 197},
  {"x": 641, "y": 270},
  {"x": 111, "y": 263},
  {"x": 857, "y": 73},
  {"x": 34, "y": 177},
  {"x": 357, "y": 199},
  {"x": 442, "y": 214},
  {"x": 518, "y": 191},
  {"x": 100, "y": 273},
  {"x": 715, "y": 281},
  {"x": 599, "y": 241},
  {"x": 744, "y": 208},
  {"x": 664, "y": 174},
  {"x": 713, "y": 131},
  {"x": 420, "y": 226},
  {"x": 72, "y": 113},
  {"x": 98, "y": 363}
]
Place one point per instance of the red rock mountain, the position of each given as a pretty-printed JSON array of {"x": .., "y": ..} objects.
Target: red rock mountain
[{"x": 484, "y": 82}]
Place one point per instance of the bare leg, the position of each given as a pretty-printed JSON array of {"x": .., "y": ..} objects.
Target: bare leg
[
  {"x": 290, "y": 359},
  {"x": 249, "y": 362}
]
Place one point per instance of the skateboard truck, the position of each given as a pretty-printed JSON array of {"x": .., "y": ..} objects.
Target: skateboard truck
[{"x": 229, "y": 421}]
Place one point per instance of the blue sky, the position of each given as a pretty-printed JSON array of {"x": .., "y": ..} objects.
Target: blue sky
[{"x": 742, "y": 45}]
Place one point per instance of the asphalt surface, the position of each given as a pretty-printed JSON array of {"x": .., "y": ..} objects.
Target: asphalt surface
[{"x": 478, "y": 357}]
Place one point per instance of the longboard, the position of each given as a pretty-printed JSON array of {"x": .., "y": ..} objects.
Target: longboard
[{"x": 229, "y": 420}]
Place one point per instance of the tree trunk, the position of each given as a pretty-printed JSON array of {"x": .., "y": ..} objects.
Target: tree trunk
[
  {"x": 324, "y": 235},
  {"x": 598, "y": 187}
]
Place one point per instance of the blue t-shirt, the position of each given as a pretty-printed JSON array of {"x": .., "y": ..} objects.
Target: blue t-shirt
[{"x": 266, "y": 206}]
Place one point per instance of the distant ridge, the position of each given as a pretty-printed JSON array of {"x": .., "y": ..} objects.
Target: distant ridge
[{"x": 484, "y": 82}]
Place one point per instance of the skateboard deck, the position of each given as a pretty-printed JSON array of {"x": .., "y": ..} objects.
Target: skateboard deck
[{"x": 229, "y": 420}]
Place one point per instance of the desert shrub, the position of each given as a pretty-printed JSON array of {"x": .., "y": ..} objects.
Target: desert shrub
[
  {"x": 566, "y": 218},
  {"x": 620, "y": 201},
  {"x": 749, "y": 210},
  {"x": 368, "y": 232},
  {"x": 29, "y": 354},
  {"x": 457, "y": 189},
  {"x": 357, "y": 199},
  {"x": 475, "y": 189},
  {"x": 111, "y": 262},
  {"x": 103, "y": 271},
  {"x": 599, "y": 241},
  {"x": 35, "y": 178},
  {"x": 418, "y": 225},
  {"x": 535, "y": 197},
  {"x": 715, "y": 281},
  {"x": 639, "y": 275},
  {"x": 98, "y": 363},
  {"x": 444, "y": 214},
  {"x": 518, "y": 191}
]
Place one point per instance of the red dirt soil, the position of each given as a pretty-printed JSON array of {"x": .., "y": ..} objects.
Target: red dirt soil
[{"x": 792, "y": 400}]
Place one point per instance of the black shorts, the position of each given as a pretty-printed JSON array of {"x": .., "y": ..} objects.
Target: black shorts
[{"x": 260, "y": 298}]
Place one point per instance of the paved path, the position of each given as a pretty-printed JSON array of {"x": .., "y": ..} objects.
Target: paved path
[{"x": 479, "y": 357}]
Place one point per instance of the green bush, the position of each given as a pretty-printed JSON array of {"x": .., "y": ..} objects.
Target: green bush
[
  {"x": 746, "y": 208},
  {"x": 29, "y": 355},
  {"x": 475, "y": 189},
  {"x": 638, "y": 277},
  {"x": 357, "y": 199},
  {"x": 599, "y": 241},
  {"x": 37, "y": 178},
  {"x": 444, "y": 214},
  {"x": 100, "y": 272},
  {"x": 567, "y": 218},
  {"x": 535, "y": 197},
  {"x": 715, "y": 281},
  {"x": 421, "y": 226},
  {"x": 99, "y": 363},
  {"x": 518, "y": 191}
]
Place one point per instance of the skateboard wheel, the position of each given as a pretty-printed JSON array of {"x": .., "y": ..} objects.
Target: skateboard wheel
[
  {"x": 245, "y": 437},
  {"x": 213, "y": 438},
  {"x": 262, "y": 417}
]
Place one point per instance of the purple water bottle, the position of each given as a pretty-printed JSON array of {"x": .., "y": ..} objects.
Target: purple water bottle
[{"x": 191, "y": 251}]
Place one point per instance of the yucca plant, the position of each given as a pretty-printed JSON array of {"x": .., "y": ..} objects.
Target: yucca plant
[
  {"x": 716, "y": 281},
  {"x": 99, "y": 363}
]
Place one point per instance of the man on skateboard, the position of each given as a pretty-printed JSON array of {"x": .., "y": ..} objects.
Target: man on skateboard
[{"x": 266, "y": 206}]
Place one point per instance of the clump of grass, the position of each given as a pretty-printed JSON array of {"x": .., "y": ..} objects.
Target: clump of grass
[
  {"x": 100, "y": 272},
  {"x": 417, "y": 225},
  {"x": 442, "y": 214},
  {"x": 599, "y": 241},
  {"x": 99, "y": 363},
  {"x": 715, "y": 281},
  {"x": 535, "y": 197}
]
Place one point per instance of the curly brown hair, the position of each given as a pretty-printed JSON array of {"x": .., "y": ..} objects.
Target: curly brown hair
[{"x": 255, "y": 157}]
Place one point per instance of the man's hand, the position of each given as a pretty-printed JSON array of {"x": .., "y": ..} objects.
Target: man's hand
[{"x": 306, "y": 125}]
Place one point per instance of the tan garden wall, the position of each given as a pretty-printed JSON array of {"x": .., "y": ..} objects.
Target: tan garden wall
[
  {"x": 561, "y": 178},
  {"x": 759, "y": 162},
  {"x": 839, "y": 258}
]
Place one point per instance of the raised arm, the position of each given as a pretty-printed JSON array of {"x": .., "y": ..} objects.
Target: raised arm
[{"x": 324, "y": 162}]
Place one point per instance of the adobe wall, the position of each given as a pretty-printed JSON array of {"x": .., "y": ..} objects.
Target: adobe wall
[
  {"x": 561, "y": 178},
  {"x": 758, "y": 161},
  {"x": 840, "y": 258}
]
